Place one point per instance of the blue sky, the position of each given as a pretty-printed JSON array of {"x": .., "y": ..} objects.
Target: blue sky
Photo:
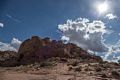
[
  {"x": 25, "y": 18},
  {"x": 40, "y": 17},
  {"x": 37, "y": 17}
]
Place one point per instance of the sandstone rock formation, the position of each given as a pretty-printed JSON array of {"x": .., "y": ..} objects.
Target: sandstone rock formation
[{"x": 37, "y": 49}]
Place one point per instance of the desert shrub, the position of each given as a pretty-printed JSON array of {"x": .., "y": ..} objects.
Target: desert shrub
[
  {"x": 74, "y": 63},
  {"x": 116, "y": 74},
  {"x": 63, "y": 59},
  {"x": 70, "y": 68},
  {"x": 98, "y": 69},
  {"x": 104, "y": 75},
  {"x": 87, "y": 69},
  {"x": 47, "y": 64},
  {"x": 78, "y": 69}
]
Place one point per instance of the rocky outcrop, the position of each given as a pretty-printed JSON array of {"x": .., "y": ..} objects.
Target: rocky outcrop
[
  {"x": 8, "y": 58},
  {"x": 37, "y": 49},
  {"x": 28, "y": 49}
]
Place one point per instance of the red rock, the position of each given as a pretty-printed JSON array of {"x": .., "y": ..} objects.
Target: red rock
[{"x": 37, "y": 49}]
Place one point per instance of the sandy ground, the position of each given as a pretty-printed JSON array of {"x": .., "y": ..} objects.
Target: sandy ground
[
  {"x": 59, "y": 72},
  {"x": 12, "y": 75}
]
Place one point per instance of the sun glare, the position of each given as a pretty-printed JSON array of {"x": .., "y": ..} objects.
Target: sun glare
[{"x": 102, "y": 7}]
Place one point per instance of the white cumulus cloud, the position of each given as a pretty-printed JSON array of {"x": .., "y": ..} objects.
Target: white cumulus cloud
[
  {"x": 113, "y": 52},
  {"x": 13, "y": 46},
  {"x": 119, "y": 34},
  {"x": 15, "y": 43},
  {"x": 111, "y": 16},
  {"x": 6, "y": 47},
  {"x": 1, "y": 25},
  {"x": 88, "y": 35}
]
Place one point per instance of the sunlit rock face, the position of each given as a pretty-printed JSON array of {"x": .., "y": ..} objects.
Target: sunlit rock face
[{"x": 37, "y": 49}]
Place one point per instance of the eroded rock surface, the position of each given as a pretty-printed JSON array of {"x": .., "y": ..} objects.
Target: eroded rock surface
[{"x": 37, "y": 49}]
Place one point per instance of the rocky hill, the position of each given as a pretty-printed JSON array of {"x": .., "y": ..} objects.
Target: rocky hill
[{"x": 37, "y": 49}]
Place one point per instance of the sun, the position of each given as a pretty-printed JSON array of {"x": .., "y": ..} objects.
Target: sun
[{"x": 102, "y": 7}]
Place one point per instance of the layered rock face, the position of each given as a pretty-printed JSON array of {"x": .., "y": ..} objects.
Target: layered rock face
[
  {"x": 37, "y": 49},
  {"x": 28, "y": 49}
]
